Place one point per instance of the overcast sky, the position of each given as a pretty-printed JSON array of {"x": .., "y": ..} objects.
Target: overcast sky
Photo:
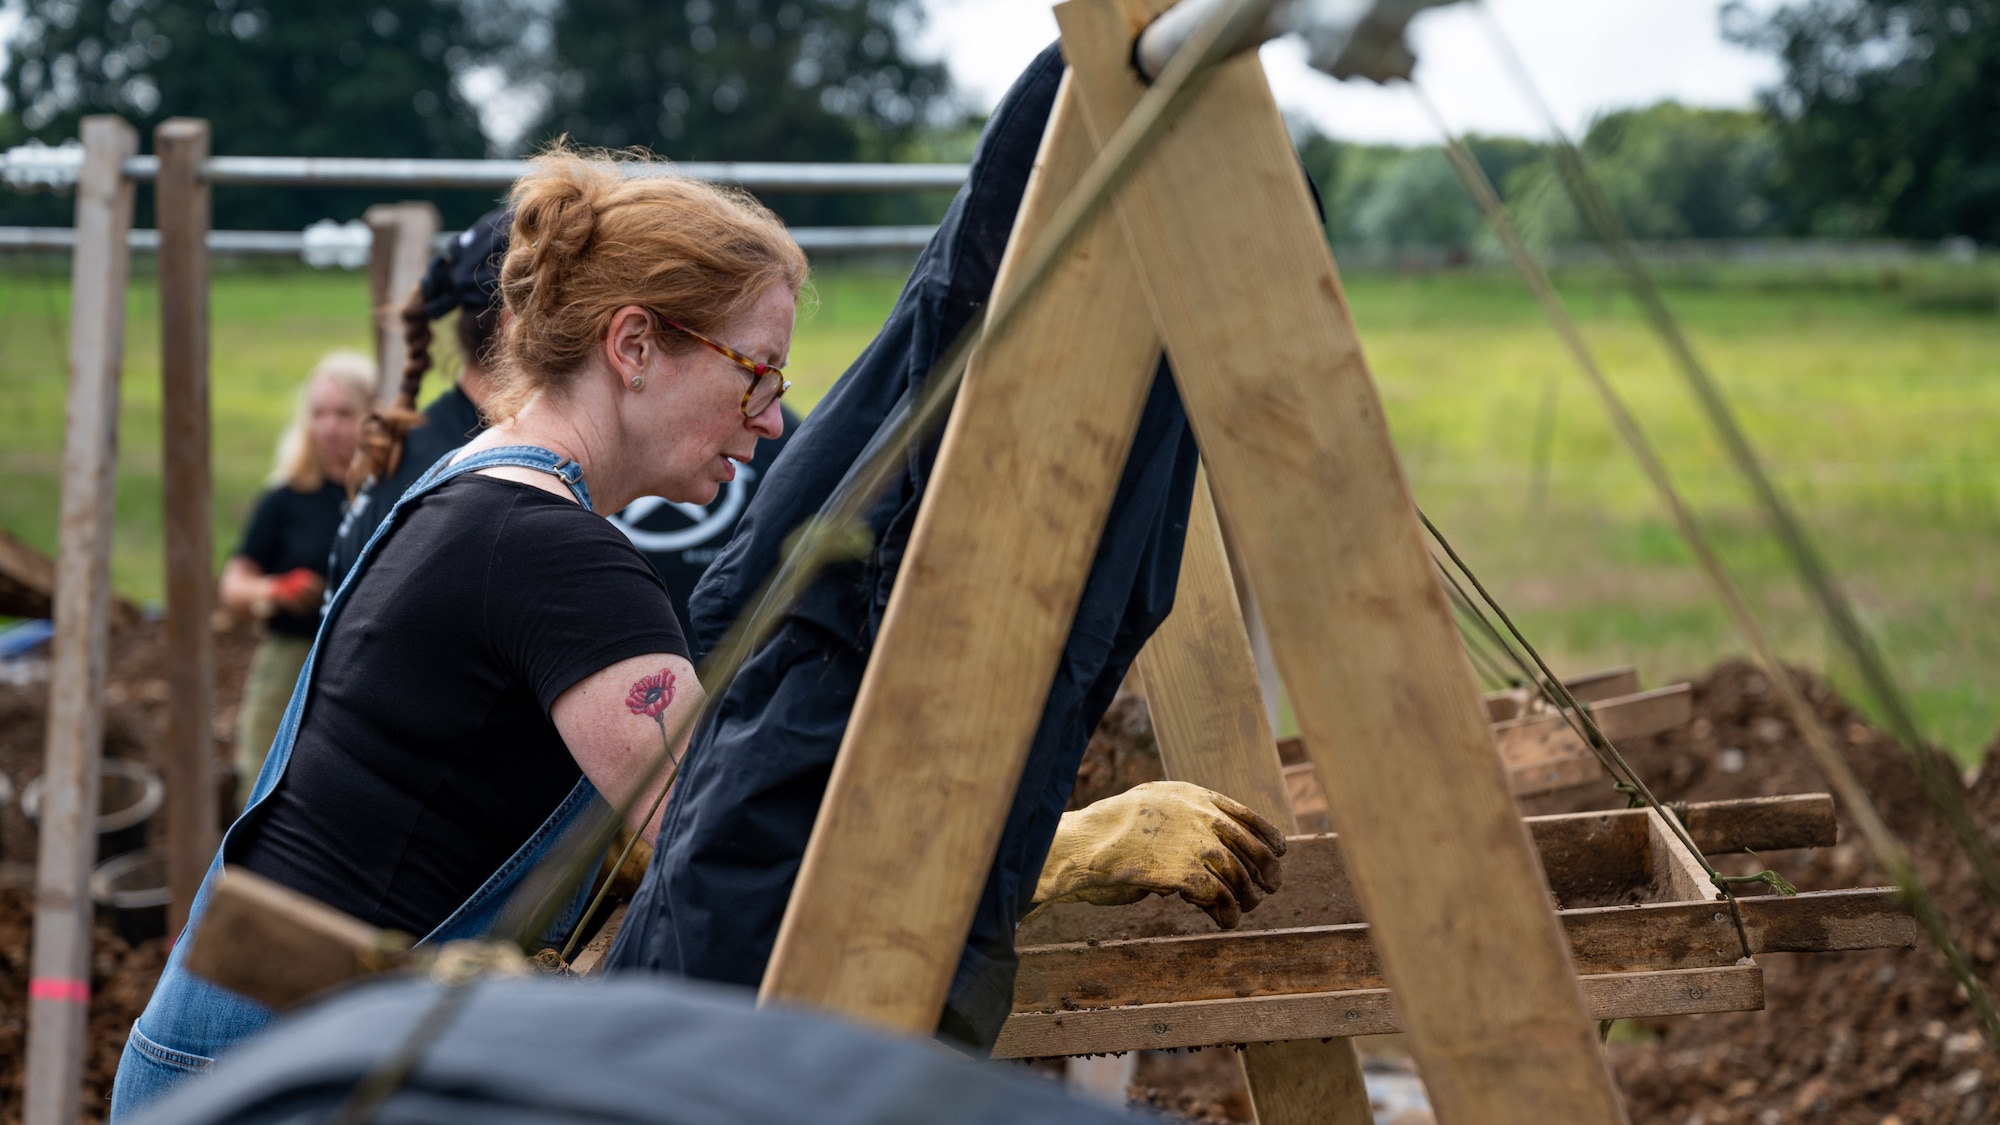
[{"x": 1587, "y": 56}]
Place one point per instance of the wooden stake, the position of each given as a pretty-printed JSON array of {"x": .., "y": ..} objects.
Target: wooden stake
[
  {"x": 59, "y": 979},
  {"x": 1245, "y": 295},
  {"x": 397, "y": 260},
  {"x": 1207, "y": 706},
  {"x": 182, "y": 203},
  {"x": 933, "y": 752}
]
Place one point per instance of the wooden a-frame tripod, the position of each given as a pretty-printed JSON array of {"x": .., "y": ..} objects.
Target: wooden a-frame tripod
[{"x": 1211, "y": 249}]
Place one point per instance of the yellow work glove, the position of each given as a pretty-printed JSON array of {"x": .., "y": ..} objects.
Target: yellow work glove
[{"x": 1162, "y": 838}]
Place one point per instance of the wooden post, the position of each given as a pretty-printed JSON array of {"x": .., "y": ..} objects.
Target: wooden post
[
  {"x": 181, "y": 196},
  {"x": 1247, "y": 300},
  {"x": 1208, "y": 712},
  {"x": 396, "y": 261},
  {"x": 59, "y": 978},
  {"x": 919, "y": 794}
]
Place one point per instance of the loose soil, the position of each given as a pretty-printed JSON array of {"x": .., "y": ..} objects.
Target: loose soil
[
  {"x": 1873, "y": 1038},
  {"x": 1880, "y": 1037},
  {"x": 121, "y": 973}
]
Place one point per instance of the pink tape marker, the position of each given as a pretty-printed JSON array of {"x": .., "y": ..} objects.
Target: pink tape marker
[{"x": 59, "y": 988}]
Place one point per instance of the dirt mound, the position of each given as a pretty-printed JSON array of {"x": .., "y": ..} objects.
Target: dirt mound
[
  {"x": 121, "y": 979},
  {"x": 1869, "y": 1037},
  {"x": 1879, "y": 1037}
]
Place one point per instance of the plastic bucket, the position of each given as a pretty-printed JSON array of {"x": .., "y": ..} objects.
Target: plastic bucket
[
  {"x": 128, "y": 794},
  {"x": 132, "y": 890}
]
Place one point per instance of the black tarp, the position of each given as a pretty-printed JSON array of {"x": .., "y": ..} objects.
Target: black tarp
[
  {"x": 751, "y": 784},
  {"x": 539, "y": 1051}
]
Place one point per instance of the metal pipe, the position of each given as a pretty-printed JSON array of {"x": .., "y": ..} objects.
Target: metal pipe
[
  {"x": 35, "y": 166},
  {"x": 1344, "y": 38},
  {"x": 1167, "y": 33},
  {"x": 822, "y": 240},
  {"x": 322, "y": 171}
]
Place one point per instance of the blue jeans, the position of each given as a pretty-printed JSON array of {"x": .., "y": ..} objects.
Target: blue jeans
[{"x": 189, "y": 1021}]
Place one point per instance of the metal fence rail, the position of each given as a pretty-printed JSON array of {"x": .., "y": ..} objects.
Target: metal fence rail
[
  {"x": 347, "y": 245},
  {"x": 37, "y": 166}
]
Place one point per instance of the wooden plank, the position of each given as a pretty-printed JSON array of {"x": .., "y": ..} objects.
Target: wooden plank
[
  {"x": 1548, "y": 735},
  {"x": 590, "y": 959},
  {"x": 59, "y": 977},
  {"x": 1796, "y": 820},
  {"x": 1540, "y": 752},
  {"x": 1209, "y": 1023},
  {"x": 1591, "y": 687},
  {"x": 1245, "y": 296},
  {"x": 279, "y": 947},
  {"x": 1608, "y": 683},
  {"x": 1207, "y": 708},
  {"x": 1513, "y": 703},
  {"x": 28, "y": 585},
  {"x": 183, "y": 215},
  {"x": 396, "y": 262},
  {"x": 27, "y": 579},
  {"x": 1677, "y": 873},
  {"x": 1590, "y": 859},
  {"x": 988, "y": 590},
  {"x": 1316, "y": 892},
  {"x": 1617, "y": 939},
  {"x": 1305, "y": 1079},
  {"x": 1524, "y": 779}
]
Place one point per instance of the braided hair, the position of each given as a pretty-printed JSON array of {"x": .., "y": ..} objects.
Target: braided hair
[{"x": 465, "y": 279}]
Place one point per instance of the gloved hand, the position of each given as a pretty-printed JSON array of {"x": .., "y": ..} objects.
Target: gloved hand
[
  {"x": 298, "y": 590},
  {"x": 1164, "y": 837}
]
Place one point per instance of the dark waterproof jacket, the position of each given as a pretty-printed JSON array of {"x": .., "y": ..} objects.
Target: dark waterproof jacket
[{"x": 750, "y": 787}]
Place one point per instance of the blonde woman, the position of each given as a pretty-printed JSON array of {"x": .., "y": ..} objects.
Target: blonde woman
[{"x": 278, "y": 573}]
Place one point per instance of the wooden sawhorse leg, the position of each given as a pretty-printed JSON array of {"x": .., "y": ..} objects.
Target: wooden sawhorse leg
[
  {"x": 1207, "y": 709},
  {"x": 940, "y": 730}
]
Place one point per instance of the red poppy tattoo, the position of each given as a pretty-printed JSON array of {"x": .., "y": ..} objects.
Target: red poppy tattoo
[{"x": 651, "y": 695}]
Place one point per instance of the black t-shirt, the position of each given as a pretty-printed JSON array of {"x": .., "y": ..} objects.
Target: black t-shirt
[
  {"x": 682, "y": 539},
  {"x": 449, "y": 422},
  {"x": 426, "y": 755},
  {"x": 289, "y": 530}
]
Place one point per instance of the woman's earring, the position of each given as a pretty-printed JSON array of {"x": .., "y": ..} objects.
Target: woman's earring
[{"x": 638, "y": 381}]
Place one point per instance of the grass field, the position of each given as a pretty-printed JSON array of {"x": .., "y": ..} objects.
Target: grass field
[{"x": 1874, "y": 398}]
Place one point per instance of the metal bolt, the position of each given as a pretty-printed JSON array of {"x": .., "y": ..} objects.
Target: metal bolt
[{"x": 1159, "y": 1029}]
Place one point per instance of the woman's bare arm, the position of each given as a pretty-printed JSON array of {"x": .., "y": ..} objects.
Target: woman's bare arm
[
  {"x": 616, "y": 720},
  {"x": 245, "y": 588}
]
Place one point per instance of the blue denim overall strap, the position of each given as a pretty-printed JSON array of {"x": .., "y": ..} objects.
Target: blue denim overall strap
[{"x": 189, "y": 1021}]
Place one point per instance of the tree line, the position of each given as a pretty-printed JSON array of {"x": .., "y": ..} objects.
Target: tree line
[
  {"x": 1882, "y": 124},
  {"x": 1886, "y": 124}
]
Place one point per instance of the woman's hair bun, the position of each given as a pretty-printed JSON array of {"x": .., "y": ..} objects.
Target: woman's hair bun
[
  {"x": 555, "y": 215},
  {"x": 595, "y": 232}
]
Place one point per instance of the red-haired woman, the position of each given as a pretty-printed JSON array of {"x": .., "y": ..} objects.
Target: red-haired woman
[{"x": 501, "y": 655}]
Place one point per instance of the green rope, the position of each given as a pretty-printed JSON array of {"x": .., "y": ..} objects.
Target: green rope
[{"x": 1607, "y": 754}]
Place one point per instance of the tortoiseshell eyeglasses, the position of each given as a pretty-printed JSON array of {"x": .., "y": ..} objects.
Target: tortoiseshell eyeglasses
[{"x": 767, "y": 383}]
